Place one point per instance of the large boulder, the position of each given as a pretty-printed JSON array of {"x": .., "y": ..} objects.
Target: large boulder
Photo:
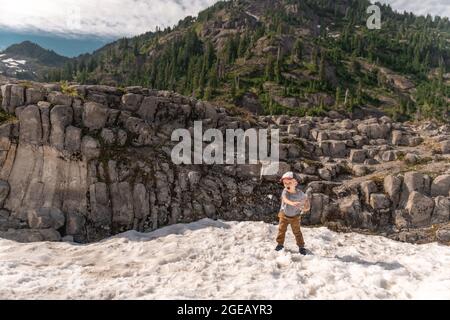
[
  {"x": 392, "y": 187},
  {"x": 148, "y": 108},
  {"x": 411, "y": 158},
  {"x": 319, "y": 207},
  {"x": 443, "y": 236},
  {"x": 319, "y": 136},
  {"x": 34, "y": 95},
  {"x": 31, "y": 235},
  {"x": 134, "y": 125},
  {"x": 8, "y": 222},
  {"x": 59, "y": 98},
  {"x": 141, "y": 202},
  {"x": 420, "y": 208},
  {"x": 397, "y": 138},
  {"x": 441, "y": 186},
  {"x": 379, "y": 201},
  {"x": 100, "y": 214},
  {"x": 75, "y": 224},
  {"x": 45, "y": 218},
  {"x": 445, "y": 147},
  {"x": 346, "y": 124},
  {"x": 360, "y": 170},
  {"x": 60, "y": 117},
  {"x": 95, "y": 115},
  {"x": 367, "y": 188},
  {"x": 401, "y": 219},
  {"x": 108, "y": 136},
  {"x": 358, "y": 156},
  {"x": 211, "y": 112},
  {"x": 360, "y": 141},
  {"x": 304, "y": 129},
  {"x": 131, "y": 101},
  {"x": 78, "y": 107},
  {"x": 414, "y": 181},
  {"x": 122, "y": 205},
  {"x": 90, "y": 148},
  {"x": 374, "y": 130},
  {"x": 333, "y": 148},
  {"x": 73, "y": 139},
  {"x": 30, "y": 125},
  {"x": 17, "y": 98},
  {"x": 6, "y": 96},
  {"x": 44, "y": 108},
  {"x": 325, "y": 174},
  {"x": 5, "y": 136},
  {"x": 345, "y": 135},
  {"x": 441, "y": 210},
  {"x": 351, "y": 210},
  {"x": 293, "y": 129},
  {"x": 388, "y": 156}
]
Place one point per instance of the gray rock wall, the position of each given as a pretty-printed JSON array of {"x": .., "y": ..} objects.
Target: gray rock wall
[{"x": 100, "y": 158}]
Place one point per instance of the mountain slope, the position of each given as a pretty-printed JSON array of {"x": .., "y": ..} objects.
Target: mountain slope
[
  {"x": 216, "y": 260},
  {"x": 29, "y": 61},
  {"x": 288, "y": 56}
]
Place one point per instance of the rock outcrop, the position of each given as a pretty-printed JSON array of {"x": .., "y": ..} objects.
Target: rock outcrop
[{"x": 97, "y": 162}]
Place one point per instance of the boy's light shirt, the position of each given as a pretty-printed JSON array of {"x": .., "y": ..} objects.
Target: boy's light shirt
[{"x": 298, "y": 196}]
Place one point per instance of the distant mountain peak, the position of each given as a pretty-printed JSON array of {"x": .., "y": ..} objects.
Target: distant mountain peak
[
  {"x": 31, "y": 50},
  {"x": 27, "y": 60}
]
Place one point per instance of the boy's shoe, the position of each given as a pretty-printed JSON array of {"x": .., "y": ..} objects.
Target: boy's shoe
[
  {"x": 303, "y": 251},
  {"x": 279, "y": 247}
]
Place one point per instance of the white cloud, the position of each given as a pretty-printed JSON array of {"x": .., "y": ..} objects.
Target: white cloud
[
  {"x": 106, "y": 18},
  {"x": 421, "y": 7},
  {"x": 116, "y": 18}
]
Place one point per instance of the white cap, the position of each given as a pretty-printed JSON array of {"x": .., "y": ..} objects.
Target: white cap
[{"x": 287, "y": 175}]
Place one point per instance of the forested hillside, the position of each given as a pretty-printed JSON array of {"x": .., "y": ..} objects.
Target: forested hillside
[{"x": 288, "y": 56}]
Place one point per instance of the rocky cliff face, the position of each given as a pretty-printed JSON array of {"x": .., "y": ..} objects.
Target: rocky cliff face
[{"x": 87, "y": 162}]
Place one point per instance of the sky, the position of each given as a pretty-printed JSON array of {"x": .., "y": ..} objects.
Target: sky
[
  {"x": 421, "y": 7},
  {"x": 72, "y": 27}
]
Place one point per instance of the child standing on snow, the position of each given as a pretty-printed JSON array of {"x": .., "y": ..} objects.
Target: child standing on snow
[{"x": 293, "y": 202}]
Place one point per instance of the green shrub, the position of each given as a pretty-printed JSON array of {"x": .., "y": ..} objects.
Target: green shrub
[{"x": 66, "y": 89}]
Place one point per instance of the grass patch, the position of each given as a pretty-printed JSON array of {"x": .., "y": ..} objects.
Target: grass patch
[
  {"x": 6, "y": 117},
  {"x": 401, "y": 156}
]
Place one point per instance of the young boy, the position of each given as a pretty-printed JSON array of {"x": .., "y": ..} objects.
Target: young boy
[{"x": 293, "y": 202}]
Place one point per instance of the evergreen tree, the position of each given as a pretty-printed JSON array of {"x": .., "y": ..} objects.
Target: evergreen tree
[
  {"x": 314, "y": 55},
  {"x": 270, "y": 68},
  {"x": 322, "y": 68},
  {"x": 298, "y": 51},
  {"x": 359, "y": 93},
  {"x": 338, "y": 97}
]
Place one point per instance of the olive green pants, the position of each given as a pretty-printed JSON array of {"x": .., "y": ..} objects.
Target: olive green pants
[{"x": 294, "y": 222}]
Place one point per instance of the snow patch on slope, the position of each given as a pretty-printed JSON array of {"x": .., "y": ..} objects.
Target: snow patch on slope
[
  {"x": 14, "y": 62},
  {"x": 229, "y": 260}
]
